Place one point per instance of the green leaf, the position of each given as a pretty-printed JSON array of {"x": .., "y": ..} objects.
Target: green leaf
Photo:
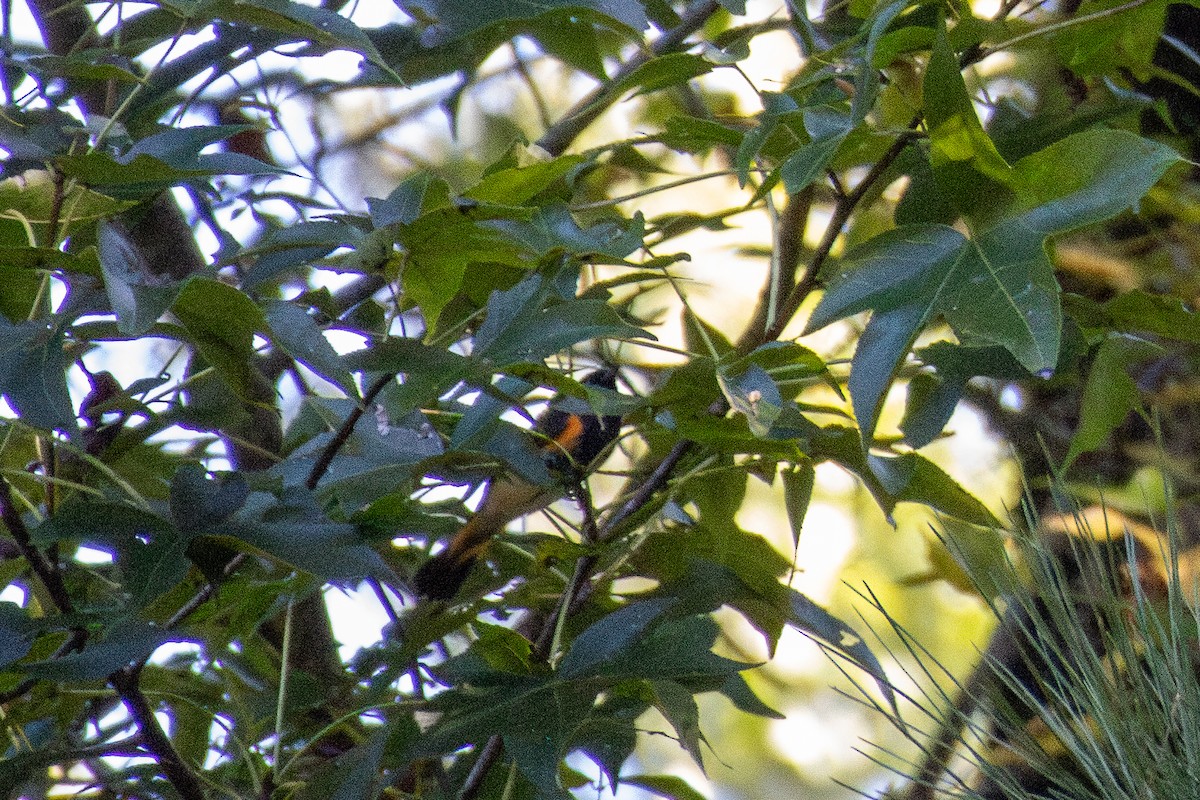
[
  {"x": 787, "y": 363},
  {"x": 913, "y": 478},
  {"x": 812, "y": 620},
  {"x": 608, "y": 740},
  {"x": 285, "y": 249},
  {"x": 1138, "y": 312},
  {"x": 902, "y": 275},
  {"x": 669, "y": 786},
  {"x": 150, "y": 551},
  {"x": 222, "y": 322},
  {"x": 316, "y": 24},
  {"x": 572, "y": 40},
  {"x": 612, "y": 636},
  {"x": 518, "y": 185},
  {"x": 775, "y": 106},
  {"x": 35, "y": 135},
  {"x": 797, "y": 494},
  {"x": 137, "y": 296},
  {"x": 33, "y": 374},
  {"x": 931, "y": 401},
  {"x": 828, "y": 128},
  {"x": 679, "y": 708},
  {"x": 440, "y": 246},
  {"x": 1110, "y": 393},
  {"x": 554, "y": 228},
  {"x": 199, "y": 501},
  {"x": 79, "y": 67},
  {"x": 17, "y": 632},
  {"x": 164, "y": 159},
  {"x": 297, "y": 532},
  {"x": 744, "y": 698},
  {"x": 536, "y": 719},
  {"x": 519, "y": 327},
  {"x": 457, "y": 18},
  {"x": 31, "y": 199},
  {"x": 410, "y": 357},
  {"x": 965, "y": 161},
  {"x": 125, "y": 642},
  {"x": 889, "y": 271},
  {"x": 886, "y": 41},
  {"x": 1113, "y": 42},
  {"x": 353, "y": 775},
  {"x": 998, "y": 287},
  {"x": 374, "y": 461},
  {"x": 972, "y": 559},
  {"x": 298, "y": 335},
  {"x": 698, "y": 136},
  {"x": 22, "y": 286},
  {"x": 429, "y": 372},
  {"x": 679, "y": 650},
  {"x": 664, "y": 72},
  {"x": 494, "y": 657},
  {"x": 405, "y": 203},
  {"x": 1086, "y": 178}
]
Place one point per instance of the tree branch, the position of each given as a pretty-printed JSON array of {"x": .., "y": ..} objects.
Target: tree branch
[
  {"x": 487, "y": 758},
  {"x": 321, "y": 465},
  {"x": 842, "y": 212},
  {"x": 124, "y": 682},
  {"x": 185, "y": 781},
  {"x": 789, "y": 244},
  {"x": 46, "y": 571}
]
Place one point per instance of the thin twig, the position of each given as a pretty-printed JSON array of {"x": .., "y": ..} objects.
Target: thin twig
[
  {"x": 646, "y": 489},
  {"x": 204, "y": 595},
  {"x": 487, "y": 757},
  {"x": 343, "y": 434}
]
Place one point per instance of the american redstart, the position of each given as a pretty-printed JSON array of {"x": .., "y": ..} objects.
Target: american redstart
[{"x": 568, "y": 442}]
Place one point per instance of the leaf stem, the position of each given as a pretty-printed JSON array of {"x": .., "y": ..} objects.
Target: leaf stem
[
  {"x": 650, "y": 190},
  {"x": 281, "y": 699}
]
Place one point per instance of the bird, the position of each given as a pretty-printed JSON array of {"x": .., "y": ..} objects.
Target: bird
[{"x": 568, "y": 442}]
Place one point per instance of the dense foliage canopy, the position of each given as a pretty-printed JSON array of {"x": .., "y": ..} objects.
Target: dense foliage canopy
[{"x": 231, "y": 388}]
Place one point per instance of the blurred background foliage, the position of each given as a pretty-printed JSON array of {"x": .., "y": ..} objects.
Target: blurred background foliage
[{"x": 283, "y": 282}]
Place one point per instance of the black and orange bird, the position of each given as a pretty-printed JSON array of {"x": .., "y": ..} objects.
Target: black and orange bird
[{"x": 568, "y": 442}]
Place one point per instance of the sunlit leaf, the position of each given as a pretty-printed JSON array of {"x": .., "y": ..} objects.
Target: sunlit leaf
[{"x": 913, "y": 478}]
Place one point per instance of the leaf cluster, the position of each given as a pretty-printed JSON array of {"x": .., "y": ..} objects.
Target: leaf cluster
[{"x": 322, "y": 383}]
